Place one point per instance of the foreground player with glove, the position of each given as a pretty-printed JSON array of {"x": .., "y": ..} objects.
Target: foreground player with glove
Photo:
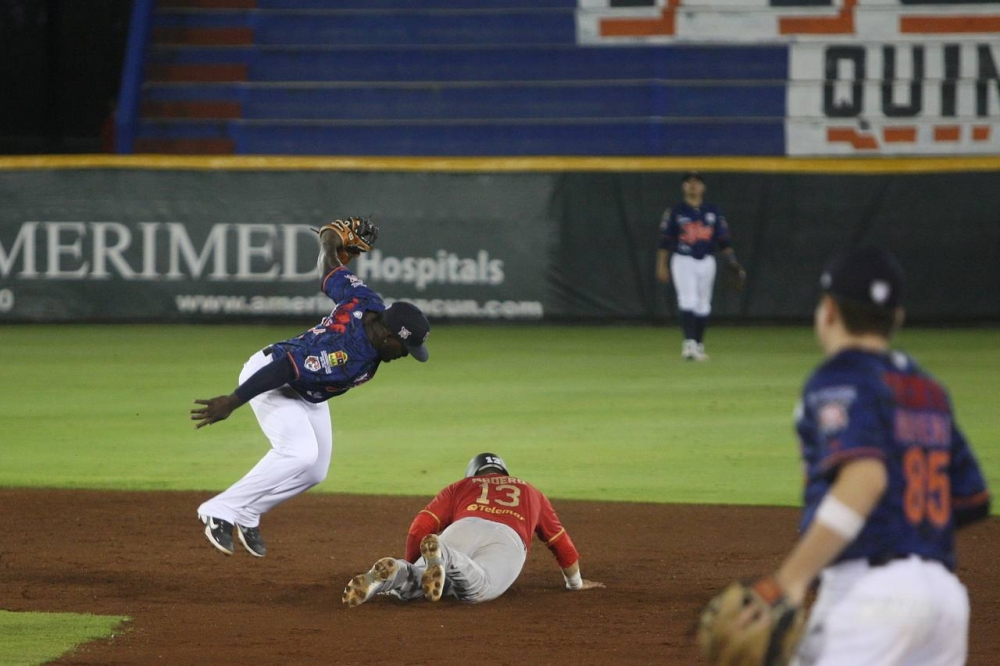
[
  {"x": 288, "y": 383},
  {"x": 471, "y": 542},
  {"x": 890, "y": 477}
]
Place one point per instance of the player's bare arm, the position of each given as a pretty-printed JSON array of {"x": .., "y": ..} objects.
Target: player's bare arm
[
  {"x": 331, "y": 246},
  {"x": 271, "y": 376},
  {"x": 859, "y": 487},
  {"x": 575, "y": 582},
  {"x": 729, "y": 256},
  {"x": 663, "y": 266}
]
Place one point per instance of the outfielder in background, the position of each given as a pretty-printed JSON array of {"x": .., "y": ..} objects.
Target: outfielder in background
[
  {"x": 690, "y": 234},
  {"x": 288, "y": 383},
  {"x": 486, "y": 522},
  {"x": 890, "y": 477}
]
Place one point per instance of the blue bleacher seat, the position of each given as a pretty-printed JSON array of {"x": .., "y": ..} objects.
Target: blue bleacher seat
[
  {"x": 446, "y": 77},
  {"x": 485, "y": 101}
]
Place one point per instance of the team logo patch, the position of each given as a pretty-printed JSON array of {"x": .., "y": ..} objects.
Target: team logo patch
[
  {"x": 710, "y": 218},
  {"x": 338, "y": 357},
  {"x": 404, "y": 332},
  {"x": 880, "y": 291},
  {"x": 832, "y": 417},
  {"x": 312, "y": 364}
]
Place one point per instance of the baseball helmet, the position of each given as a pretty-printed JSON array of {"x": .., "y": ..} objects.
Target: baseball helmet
[{"x": 485, "y": 461}]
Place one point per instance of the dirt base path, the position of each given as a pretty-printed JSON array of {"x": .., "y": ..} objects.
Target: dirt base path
[{"x": 143, "y": 555}]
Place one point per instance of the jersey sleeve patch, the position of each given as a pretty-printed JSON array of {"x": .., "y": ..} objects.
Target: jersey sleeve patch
[
  {"x": 832, "y": 406},
  {"x": 846, "y": 424},
  {"x": 832, "y": 417}
]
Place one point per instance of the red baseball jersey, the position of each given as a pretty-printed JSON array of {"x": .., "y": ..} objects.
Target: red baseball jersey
[{"x": 502, "y": 499}]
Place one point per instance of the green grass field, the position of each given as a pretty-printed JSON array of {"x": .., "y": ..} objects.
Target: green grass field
[
  {"x": 600, "y": 412},
  {"x": 36, "y": 638}
]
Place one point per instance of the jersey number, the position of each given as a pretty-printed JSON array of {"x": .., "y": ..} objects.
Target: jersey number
[
  {"x": 512, "y": 495},
  {"x": 928, "y": 487}
]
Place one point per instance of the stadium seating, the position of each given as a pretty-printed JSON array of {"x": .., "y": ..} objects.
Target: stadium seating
[{"x": 441, "y": 77}]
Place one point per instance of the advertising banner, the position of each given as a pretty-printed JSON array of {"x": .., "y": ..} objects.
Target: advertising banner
[
  {"x": 116, "y": 245},
  {"x": 200, "y": 245},
  {"x": 885, "y": 98},
  {"x": 865, "y": 77}
]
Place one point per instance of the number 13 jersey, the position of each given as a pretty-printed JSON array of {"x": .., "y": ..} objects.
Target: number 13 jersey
[{"x": 507, "y": 500}]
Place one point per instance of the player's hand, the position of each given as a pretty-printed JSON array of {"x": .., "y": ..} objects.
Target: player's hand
[
  {"x": 663, "y": 275},
  {"x": 215, "y": 409},
  {"x": 345, "y": 254},
  {"x": 741, "y": 277}
]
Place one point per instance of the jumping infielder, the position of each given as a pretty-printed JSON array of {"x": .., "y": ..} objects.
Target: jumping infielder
[
  {"x": 890, "y": 477},
  {"x": 486, "y": 522},
  {"x": 690, "y": 233},
  {"x": 288, "y": 383}
]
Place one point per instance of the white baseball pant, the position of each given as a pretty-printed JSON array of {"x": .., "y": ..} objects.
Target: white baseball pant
[
  {"x": 909, "y": 612},
  {"x": 301, "y": 435},
  {"x": 694, "y": 280},
  {"x": 482, "y": 559}
]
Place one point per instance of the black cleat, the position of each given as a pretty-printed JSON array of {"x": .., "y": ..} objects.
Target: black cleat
[
  {"x": 219, "y": 533},
  {"x": 252, "y": 540}
]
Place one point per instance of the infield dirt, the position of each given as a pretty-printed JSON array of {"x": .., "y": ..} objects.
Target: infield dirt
[{"x": 144, "y": 555}]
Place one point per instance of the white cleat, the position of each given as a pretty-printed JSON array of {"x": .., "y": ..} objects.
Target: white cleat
[
  {"x": 688, "y": 350},
  {"x": 432, "y": 582},
  {"x": 699, "y": 352},
  {"x": 364, "y": 586}
]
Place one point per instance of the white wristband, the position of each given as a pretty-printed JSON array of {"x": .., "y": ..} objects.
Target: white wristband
[
  {"x": 574, "y": 582},
  {"x": 839, "y": 517}
]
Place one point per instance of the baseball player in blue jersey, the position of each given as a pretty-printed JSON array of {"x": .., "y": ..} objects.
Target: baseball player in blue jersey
[
  {"x": 288, "y": 383},
  {"x": 889, "y": 478},
  {"x": 690, "y": 234}
]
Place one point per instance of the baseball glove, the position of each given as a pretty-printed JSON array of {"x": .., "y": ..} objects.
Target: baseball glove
[
  {"x": 357, "y": 235},
  {"x": 750, "y": 625}
]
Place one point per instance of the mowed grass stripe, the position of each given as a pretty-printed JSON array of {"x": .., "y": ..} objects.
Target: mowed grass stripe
[{"x": 586, "y": 412}]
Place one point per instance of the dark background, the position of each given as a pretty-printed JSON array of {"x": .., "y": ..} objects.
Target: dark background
[
  {"x": 583, "y": 243},
  {"x": 60, "y": 64}
]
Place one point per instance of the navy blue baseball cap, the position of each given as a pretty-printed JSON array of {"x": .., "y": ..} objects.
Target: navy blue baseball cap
[
  {"x": 866, "y": 275},
  {"x": 688, "y": 175},
  {"x": 408, "y": 323}
]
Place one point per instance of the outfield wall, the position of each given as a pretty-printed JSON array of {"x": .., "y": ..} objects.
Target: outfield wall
[{"x": 194, "y": 239}]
